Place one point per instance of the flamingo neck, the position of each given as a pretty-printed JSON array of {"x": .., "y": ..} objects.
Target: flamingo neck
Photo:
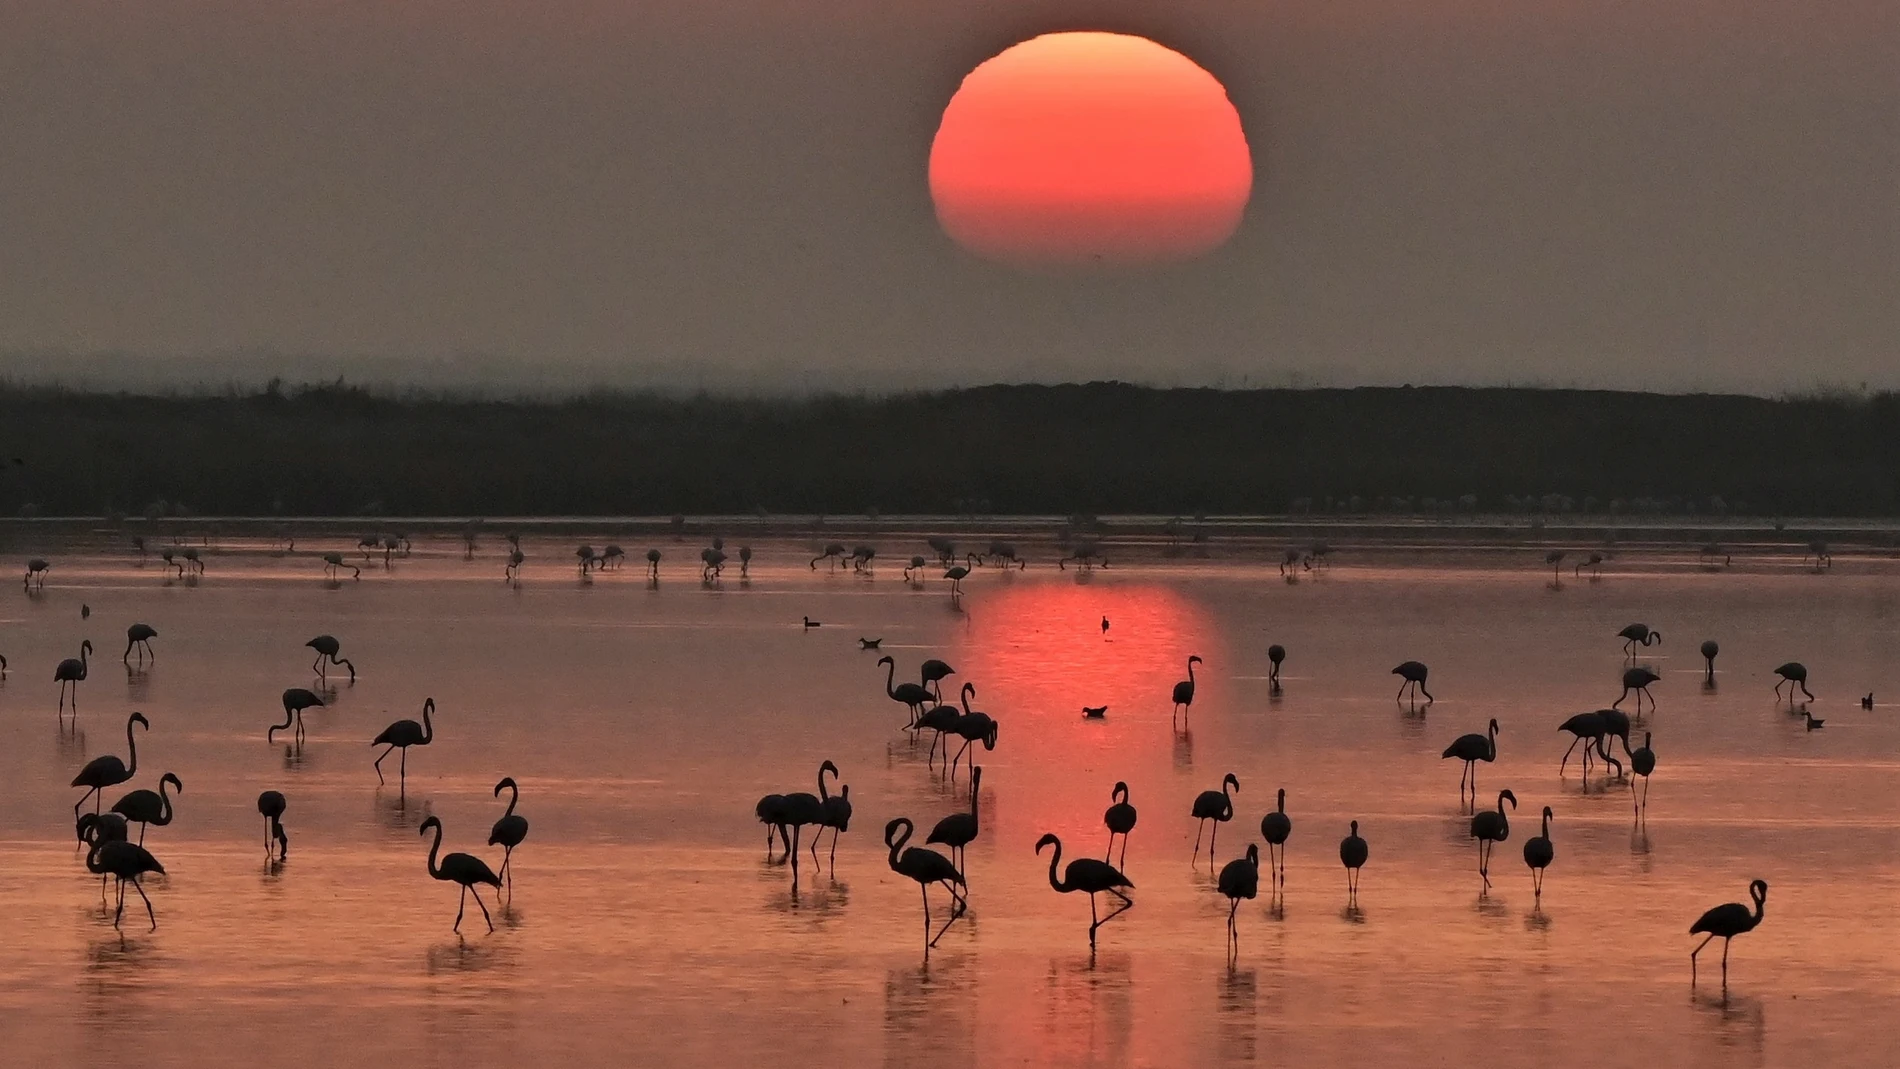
[
  {"x": 1055, "y": 862},
  {"x": 434, "y": 869},
  {"x": 514, "y": 795},
  {"x": 897, "y": 845},
  {"x": 132, "y": 748},
  {"x": 428, "y": 729},
  {"x": 890, "y": 680}
]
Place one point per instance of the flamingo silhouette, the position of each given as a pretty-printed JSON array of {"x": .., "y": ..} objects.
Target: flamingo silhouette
[
  {"x": 1092, "y": 876},
  {"x": 1353, "y": 854},
  {"x": 1709, "y": 650},
  {"x": 465, "y": 869},
  {"x": 798, "y": 810},
  {"x": 333, "y": 565},
  {"x": 36, "y": 569},
  {"x": 1184, "y": 690},
  {"x": 1555, "y": 559},
  {"x": 956, "y": 574},
  {"x": 270, "y": 806},
  {"x": 1538, "y": 854},
  {"x": 1276, "y": 654},
  {"x": 1490, "y": 828},
  {"x": 1217, "y": 806},
  {"x": 1275, "y": 827},
  {"x": 1588, "y": 728},
  {"x": 327, "y": 648},
  {"x": 1793, "y": 674},
  {"x": 147, "y": 808},
  {"x": 1594, "y": 562},
  {"x": 911, "y": 694},
  {"x": 94, "y": 828},
  {"x": 1120, "y": 819},
  {"x": 70, "y": 673},
  {"x": 972, "y": 727},
  {"x": 509, "y": 831},
  {"x": 1636, "y": 635},
  {"x": 1728, "y": 921},
  {"x": 959, "y": 830},
  {"x": 1642, "y": 763},
  {"x": 1413, "y": 673},
  {"x": 511, "y": 572},
  {"x": 109, "y": 771},
  {"x": 400, "y": 736},
  {"x": 653, "y": 564},
  {"x": 1471, "y": 749},
  {"x": 771, "y": 813},
  {"x": 1638, "y": 680},
  {"x": 926, "y": 867},
  {"x": 932, "y": 673},
  {"x": 126, "y": 862},
  {"x": 942, "y": 719},
  {"x": 834, "y": 552},
  {"x": 836, "y": 809},
  {"x": 139, "y": 637},
  {"x": 1239, "y": 879},
  {"x": 296, "y": 700}
]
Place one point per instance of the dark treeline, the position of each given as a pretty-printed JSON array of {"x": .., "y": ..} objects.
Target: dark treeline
[{"x": 1098, "y": 448}]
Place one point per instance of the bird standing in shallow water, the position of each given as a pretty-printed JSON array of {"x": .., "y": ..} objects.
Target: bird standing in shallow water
[
  {"x": 508, "y": 832},
  {"x": 959, "y": 830},
  {"x": 1538, "y": 854},
  {"x": 1709, "y": 650},
  {"x": 464, "y": 869},
  {"x": 1239, "y": 879},
  {"x": 1217, "y": 806},
  {"x": 328, "y": 648},
  {"x": 1471, "y": 749},
  {"x": 1092, "y": 876},
  {"x": 1793, "y": 674},
  {"x": 1813, "y": 722},
  {"x": 1353, "y": 854},
  {"x": 401, "y": 735},
  {"x": 70, "y": 673},
  {"x": 1275, "y": 827},
  {"x": 1184, "y": 690},
  {"x": 270, "y": 806},
  {"x": 296, "y": 700},
  {"x": 1635, "y": 635},
  {"x": 925, "y": 867},
  {"x": 1490, "y": 828},
  {"x": 149, "y": 807},
  {"x": 1119, "y": 819},
  {"x": 1413, "y": 673},
  {"x": 109, "y": 771},
  {"x": 1728, "y": 921},
  {"x": 139, "y": 637},
  {"x": 1276, "y": 654},
  {"x": 127, "y": 862},
  {"x": 1637, "y": 680}
]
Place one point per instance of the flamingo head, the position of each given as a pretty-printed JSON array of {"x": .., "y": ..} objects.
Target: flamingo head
[
  {"x": 1507, "y": 796},
  {"x": 1230, "y": 780},
  {"x": 432, "y": 822},
  {"x": 1048, "y": 840}
]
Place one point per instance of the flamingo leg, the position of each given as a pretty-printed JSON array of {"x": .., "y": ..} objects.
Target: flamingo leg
[
  {"x": 1566, "y": 760},
  {"x": 1693, "y": 953},
  {"x": 484, "y": 909},
  {"x": 1198, "y": 829},
  {"x": 834, "y": 849},
  {"x": 1210, "y": 844},
  {"x": 136, "y": 886},
  {"x": 379, "y": 765},
  {"x": 797, "y": 830},
  {"x": 924, "y": 889},
  {"x": 460, "y": 908},
  {"x": 402, "y": 776}
]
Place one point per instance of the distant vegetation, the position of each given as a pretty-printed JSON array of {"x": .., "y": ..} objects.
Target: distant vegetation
[{"x": 1098, "y": 448}]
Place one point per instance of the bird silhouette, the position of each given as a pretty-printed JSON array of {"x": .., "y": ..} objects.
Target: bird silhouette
[
  {"x": 836, "y": 809},
  {"x": 811, "y": 623},
  {"x": 932, "y": 673},
  {"x": 1120, "y": 819},
  {"x": 799, "y": 810},
  {"x": 36, "y": 569},
  {"x": 1490, "y": 828},
  {"x": 926, "y": 867},
  {"x": 942, "y": 719},
  {"x": 96, "y": 827},
  {"x": 1594, "y": 562},
  {"x": 1217, "y": 806},
  {"x": 1709, "y": 650},
  {"x": 870, "y": 643},
  {"x": 1104, "y": 627},
  {"x": 139, "y": 637},
  {"x": 465, "y": 869},
  {"x": 834, "y": 552},
  {"x": 1637, "y": 681},
  {"x": 1413, "y": 673},
  {"x": 71, "y": 672},
  {"x": 511, "y": 573},
  {"x": 327, "y": 648},
  {"x": 333, "y": 565},
  {"x": 1635, "y": 635},
  {"x": 1089, "y": 875},
  {"x": 146, "y": 808},
  {"x": 914, "y": 570},
  {"x": 270, "y": 806},
  {"x": 1239, "y": 879},
  {"x": 653, "y": 564},
  {"x": 1813, "y": 722},
  {"x": 911, "y": 695},
  {"x": 126, "y": 862},
  {"x": 296, "y": 700},
  {"x": 1868, "y": 701},
  {"x": 1095, "y": 712},
  {"x": 1184, "y": 690},
  {"x": 1353, "y": 855},
  {"x": 771, "y": 813},
  {"x": 508, "y": 832},
  {"x": 1555, "y": 559},
  {"x": 400, "y": 736},
  {"x": 959, "y": 830},
  {"x": 1274, "y": 828},
  {"x": 1728, "y": 921},
  {"x": 1538, "y": 854},
  {"x": 1276, "y": 655},
  {"x": 1589, "y": 728},
  {"x": 109, "y": 771},
  {"x": 1793, "y": 674},
  {"x": 1471, "y": 749},
  {"x": 1642, "y": 763},
  {"x": 972, "y": 727}
]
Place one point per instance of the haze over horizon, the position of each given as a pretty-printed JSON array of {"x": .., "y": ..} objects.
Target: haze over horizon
[{"x": 1682, "y": 194}]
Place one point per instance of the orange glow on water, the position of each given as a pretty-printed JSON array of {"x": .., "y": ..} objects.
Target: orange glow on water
[{"x": 1076, "y": 147}]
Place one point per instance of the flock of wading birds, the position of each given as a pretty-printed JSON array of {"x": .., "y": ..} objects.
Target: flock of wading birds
[{"x": 113, "y": 855}]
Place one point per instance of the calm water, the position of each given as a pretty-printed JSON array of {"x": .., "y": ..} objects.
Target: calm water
[{"x": 643, "y": 724}]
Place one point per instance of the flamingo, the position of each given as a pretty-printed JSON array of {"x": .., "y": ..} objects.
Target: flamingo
[
  {"x": 1120, "y": 819},
  {"x": 1288, "y": 560},
  {"x": 1642, "y": 763},
  {"x": 1471, "y": 749},
  {"x": 972, "y": 727},
  {"x": 1638, "y": 635},
  {"x": 333, "y": 565},
  {"x": 1555, "y": 559},
  {"x": 943, "y": 547},
  {"x": 1588, "y": 728},
  {"x": 149, "y": 807},
  {"x": 912, "y": 695},
  {"x": 1594, "y": 562},
  {"x": 1728, "y": 921},
  {"x": 70, "y": 673},
  {"x": 1276, "y": 655},
  {"x": 800, "y": 809},
  {"x": 1104, "y": 627},
  {"x": 94, "y": 828},
  {"x": 1793, "y": 674},
  {"x": 167, "y": 556},
  {"x": 1817, "y": 551},
  {"x": 465, "y": 869},
  {"x": 109, "y": 771},
  {"x": 328, "y": 648},
  {"x": 1006, "y": 552},
  {"x": 1184, "y": 690},
  {"x": 915, "y": 567},
  {"x": 1275, "y": 827},
  {"x": 1217, "y": 806},
  {"x": 1638, "y": 680},
  {"x": 745, "y": 562},
  {"x": 139, "y": 637},
  {"x": 36, "y": 569},
  {"x": 125, "y": 861},
  {"x": 836, "y": 809},
  {"x": 589, "y": 560},
  {"x": 192, "y": 561},
  {"x": 771, "y": 813},
  {"x": 1616, "y": 724},
  {"x": 1709, "y": 650},
  {"x": 959, "y": 830},
  {"x": 956, "y": 574},
  {"x": 509, "y": 831},
  {"x": 1538, "y": 854},
  {"x": 1239, "y": 879},
  {"x": 926, "y": 867},
  {"x": 296, "y": 700},
  {"x": 653, "y": 564},
  {"x": 1490, "y": 828},
  {"x": 511, "y": 573},
  {"x": 270, "y": 806},
  {"x": 1414, "y": 673},
  {"x": 942, "y": 719},
  {"x": 861, "y": 558},
  {"x": 611, "y": 557},
  {"x": 1092, "y": 876},
  {"x": 1353, "y": 854},
  {"x": 712, "y": 564},
  {"x": 834, "y": 551},
  {"x": 932, "y": 673},
  {"x": 401, "y": 735}
]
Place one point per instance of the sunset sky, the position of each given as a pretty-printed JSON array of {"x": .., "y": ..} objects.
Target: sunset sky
[{"x": 1667, "y": 194}]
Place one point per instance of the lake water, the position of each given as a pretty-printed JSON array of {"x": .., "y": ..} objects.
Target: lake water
[{"x": 643, "y": 724}]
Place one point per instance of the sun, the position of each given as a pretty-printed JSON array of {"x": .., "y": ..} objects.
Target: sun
[{"x": 1078, "y": 148}]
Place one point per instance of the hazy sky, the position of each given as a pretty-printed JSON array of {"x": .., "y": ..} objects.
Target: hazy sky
[{"x": 1645, "y": 193}]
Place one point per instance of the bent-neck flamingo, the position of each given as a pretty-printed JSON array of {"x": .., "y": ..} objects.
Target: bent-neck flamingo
[
  {"x": 1728, "y": 921},
  {"x": 1094, "y": 877},
  {"x": 925, "y": 867},
  {"x": 148, "y": 808},
  {"x": 509, "y": 831},
  {"x": 465, "y": 869},
  {"x": 1120, "y": 819},
  {"x": 400, "y": 736},
  {"x": 1217, "y": 806},
  {"x": 109, "y": 771}
]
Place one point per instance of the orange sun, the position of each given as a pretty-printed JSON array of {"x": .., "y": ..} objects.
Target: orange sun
[{"x": 1073, "y": 148}]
